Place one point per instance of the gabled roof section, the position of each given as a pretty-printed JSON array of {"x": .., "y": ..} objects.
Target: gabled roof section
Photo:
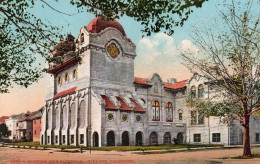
[
  {"x": 63, "y": 93},
  {"x": 137, "y": 108},
  {"x": 177, "y": 85},
  {"x": 109, "y": 104},
  {"x": 123, "y": 106},
  {"x": 141, "y": 81},
  {"x": 28, "y": 118},
  {"x": 158, "y": 76},
  {"x": 3, "y": 118},
  {"x": 63, "y": 65}
]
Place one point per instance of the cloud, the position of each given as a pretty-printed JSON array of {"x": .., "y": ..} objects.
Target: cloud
[
  {"x": 187, "y": 46},
  {"x": 157, "y": 46}
]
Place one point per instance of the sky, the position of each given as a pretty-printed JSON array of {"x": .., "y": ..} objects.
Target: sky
[{"x": 158, "y": 53}]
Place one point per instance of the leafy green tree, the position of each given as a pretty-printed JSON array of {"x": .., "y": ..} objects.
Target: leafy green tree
[
  {"x": 229, "y": 59},
  {"x": 22, "y": 34},
  {"x": 4, "y": 132}
]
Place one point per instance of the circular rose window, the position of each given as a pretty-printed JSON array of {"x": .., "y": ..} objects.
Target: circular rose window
[
  {"x": 124, "y": 117},
  {"x": 110, "y": 116},
  {"x": 113, "y": 51},
  {"x": 138, "y": 118}
]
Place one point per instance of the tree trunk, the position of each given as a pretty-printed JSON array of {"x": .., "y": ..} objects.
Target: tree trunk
[{"x": 246, "y": 137}]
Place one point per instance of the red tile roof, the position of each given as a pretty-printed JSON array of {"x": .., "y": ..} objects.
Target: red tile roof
[
  {"x": 97, "y": 25},
  {"x": 3, "y": 118},
  {"x": 123, "y": 106},
  {"x": 137, "y": 108},
  {"x": 109, "y": 104},
  {"x": 63, "y": 93},
  {"x": 29, "y": 117},
  {"x": 63, "y": 65},
  {"x": 177, "y": 85},
  {"x": 142, "y": 81}
]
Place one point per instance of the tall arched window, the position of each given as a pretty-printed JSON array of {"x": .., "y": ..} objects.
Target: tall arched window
[
  {"x": 201, "y": 91},
  {"x": 82, "y": 38},
  {"x": 67, "y": 77},
  {"x": 75, "y": 74},
  {"x": 60, "y": 80},
  {"x": 169, "y": 110},
  {"x": 156, "y": 111},
  {"x": 193, "y": 92}
]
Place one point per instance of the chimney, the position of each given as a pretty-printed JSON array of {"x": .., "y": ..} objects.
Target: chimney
[{"x": 172, "y": 80}]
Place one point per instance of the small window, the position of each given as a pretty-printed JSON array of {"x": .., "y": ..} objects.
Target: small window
[
  {"x": 75, "y": 74},
  {"x": 81, "y": 138},
  {"x": 257, "y": 137},
  {"x": 215, "y": 137},
  {"x": 63, "y": 139},
  {"x": 56, "y": 139},
  {"x": 48, "y": 139},
  {"x": 35, "y": 132},
  {"x": 196, "y": 138},
  {"x": 17, "y": 124},
  {"x": 60, "y": 80},
  {"x": 72, "y": 139},
  {"x": 67, "y": 77},
  {"x": 180, "y": 116}
]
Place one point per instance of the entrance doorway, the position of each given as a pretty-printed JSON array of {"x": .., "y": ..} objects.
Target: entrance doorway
[
  {"x": 180, "y": 138},
  {"x": 95, "y": 139},
  {"x": 110, "y": 138},
  {"x": 125, "y": 138},
  {"x": 139, "y": 139}
]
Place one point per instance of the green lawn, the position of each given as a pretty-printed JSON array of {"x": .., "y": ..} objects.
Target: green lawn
[{"x": 116, "y": 148}]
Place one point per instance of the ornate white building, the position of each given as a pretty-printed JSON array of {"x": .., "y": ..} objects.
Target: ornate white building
[{"x": 96, "y": 100}]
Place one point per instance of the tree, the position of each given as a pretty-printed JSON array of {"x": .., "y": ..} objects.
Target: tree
[
  {"x": 229, "y": 59},
  {"x": 4, "y": 132},
  {"x": 22, "y": 35}
]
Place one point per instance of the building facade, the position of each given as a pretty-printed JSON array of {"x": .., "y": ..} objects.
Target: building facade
[{"x": 95, "y": 100}]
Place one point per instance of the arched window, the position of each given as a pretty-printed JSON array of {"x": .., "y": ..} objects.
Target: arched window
[
  {"x": 156, "y": 111},
  {"x": 82, "y": 37},
  {"x": 75, "y": 74},
  {"x": 67, "y": 77},
  {"x": 193, "y": 92},
  {"x": 180, "y": 115},
  {"x": 169, "y": 110},
  {"x": 201, "y": 91},
  {"x": 153, "y": 138},
  {"x": 60, "y": 80},
  {"x": 167, "y": 138}
]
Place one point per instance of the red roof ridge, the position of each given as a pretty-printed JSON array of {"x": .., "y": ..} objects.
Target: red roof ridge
[
  {"x": 123, "y": 106},
  {"x": 137, "y": 108},
  {"x": 177, "y": 85},
  {"x": 63, "y": 93},
  {"x": 142, "y": 81},
  {"x": 109, "y": 104}
]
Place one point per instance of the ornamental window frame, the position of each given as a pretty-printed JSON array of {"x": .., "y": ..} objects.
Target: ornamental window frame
[
  {"x": 155, "y": 110},
  {"x": 180, "y": 115},
  {"x": 113, "y": 41},
  {"x": 169, "y": 112}
]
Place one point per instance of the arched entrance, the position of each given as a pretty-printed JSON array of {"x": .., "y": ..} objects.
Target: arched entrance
[
  {"x": 125, "y": 138},
  {"x": 153, "y": 138},
  {"x": 167, "y": 138},
  {"x": 139, "y": 139},
  {"x": 95, "y": 139},
  {"x": 180, "y": 138},
  {"x": 110, "y": 138}
]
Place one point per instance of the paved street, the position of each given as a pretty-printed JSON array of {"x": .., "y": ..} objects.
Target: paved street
[{"x": 15, "y": 155}]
